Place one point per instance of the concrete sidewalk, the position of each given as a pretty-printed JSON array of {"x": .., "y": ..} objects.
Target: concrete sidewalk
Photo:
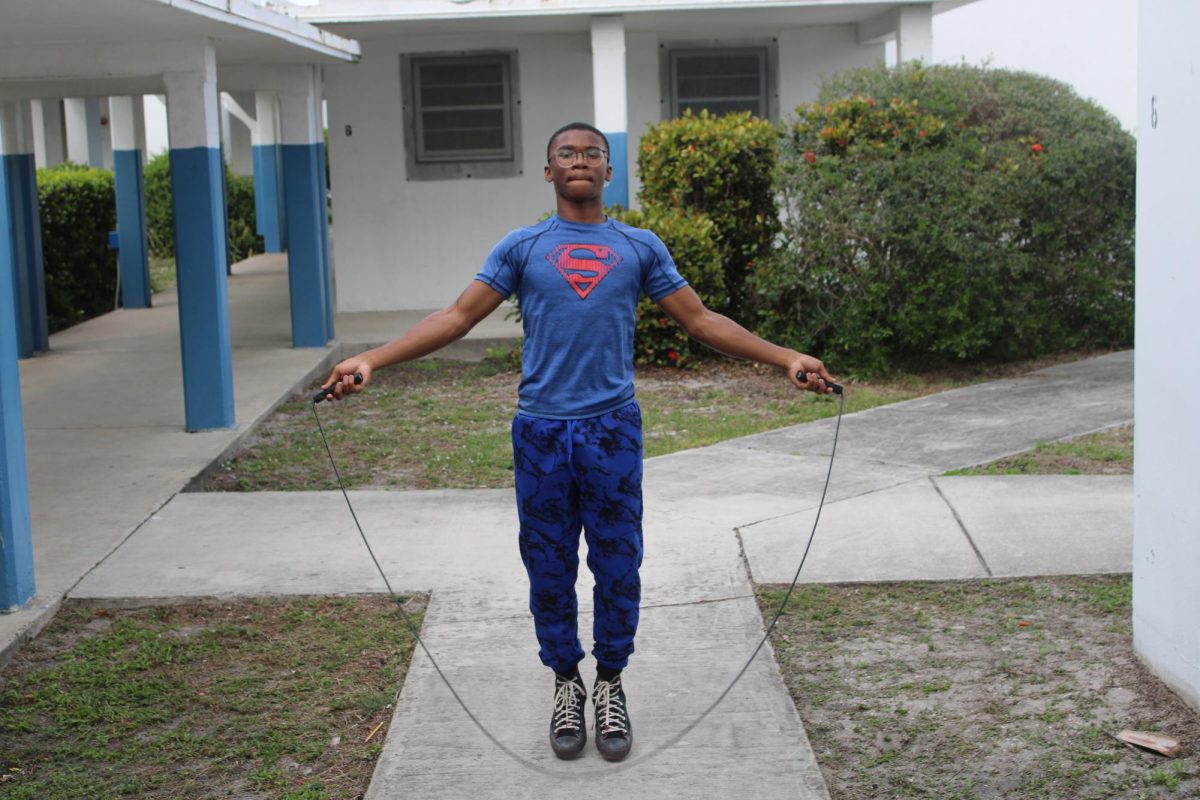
[
  {"x": 105, "y": 444},
  {"x": 108, "y": 458},
  {"x": 711, "y": 513}
]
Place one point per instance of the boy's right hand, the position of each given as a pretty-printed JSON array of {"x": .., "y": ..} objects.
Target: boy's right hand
[{"x": 341, "y": 382}]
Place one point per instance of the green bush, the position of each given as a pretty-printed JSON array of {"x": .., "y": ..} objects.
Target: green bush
[
  {"x": 244, "y": 240},
  {"x": 939, "y": 214},
  {"x": 720, "y": 166},
  {"x": 160, "y": 217},
  {"x": 78, "y": 209},
  {"x": 691, "y": 239},
  {"x": 241, "y": 226}
]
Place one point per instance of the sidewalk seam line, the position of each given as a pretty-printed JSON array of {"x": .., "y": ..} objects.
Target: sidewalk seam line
[{"x": 961, "y": 526}]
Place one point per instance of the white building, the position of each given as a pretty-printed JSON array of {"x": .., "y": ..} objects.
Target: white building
[{"x": 437, "y": 137}]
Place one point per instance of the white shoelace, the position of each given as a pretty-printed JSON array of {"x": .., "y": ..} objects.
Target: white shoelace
[
  {"x": 610, "y": 717},
  {"x": 566, "y": 707}
]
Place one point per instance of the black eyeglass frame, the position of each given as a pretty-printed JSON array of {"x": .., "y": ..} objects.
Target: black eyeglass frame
[{"x": 575, "y": 154}]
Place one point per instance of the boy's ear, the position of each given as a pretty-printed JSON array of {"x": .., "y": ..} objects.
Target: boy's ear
[{"x": 547, "y": 174}]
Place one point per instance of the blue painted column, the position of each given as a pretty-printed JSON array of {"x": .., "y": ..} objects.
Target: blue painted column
[
  {"x": 309, "y": 280},
  {"x": 199, "y": 205},
  {"x": 270, "y": 218},
  {"x": 16, "y": 544},
  {"x": 328, "y": 258},
  {"x": 18, "y": 181},
  {"x": 133, "y": 255},
  {"x": 610, "y": 103}
]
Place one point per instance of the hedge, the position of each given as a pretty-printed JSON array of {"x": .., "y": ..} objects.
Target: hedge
[
  {"x": 722, "y": 167},
  {"x": 241, "y": 229},
  {"x": 942, "y": 214},
  {"x": 78, "y": 209},
  {"x": 691, "y": 239}
]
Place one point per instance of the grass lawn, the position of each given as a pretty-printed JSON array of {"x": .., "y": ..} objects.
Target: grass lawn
[
  {"x": 248, "y": 698},
  {"x": 984, "y": 689},
  {"x": 434, "y": 424},
  {"x": 981, "y": 689},
  {"x": 162, "y": 273},
  {"x": 1107, "y": 452}
]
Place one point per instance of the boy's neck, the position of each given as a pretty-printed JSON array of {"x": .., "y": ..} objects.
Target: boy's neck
[{"x": 589, "y": 213}]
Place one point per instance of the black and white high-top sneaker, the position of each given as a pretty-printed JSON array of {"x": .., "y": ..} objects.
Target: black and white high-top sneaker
[
  {"x": 568, "y": 733},
  {"x": 614, "y": 734}
]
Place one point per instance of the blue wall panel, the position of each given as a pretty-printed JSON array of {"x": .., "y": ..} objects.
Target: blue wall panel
[
  {"x": 199, "y": 205},
  {"x": 617, "y": 192}
]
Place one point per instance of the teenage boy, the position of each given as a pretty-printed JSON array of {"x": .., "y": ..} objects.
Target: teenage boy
[{"x": 577, "y": 438}]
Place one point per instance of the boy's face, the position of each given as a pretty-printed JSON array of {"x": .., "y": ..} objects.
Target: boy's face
[{"x": 579, "y": 181}]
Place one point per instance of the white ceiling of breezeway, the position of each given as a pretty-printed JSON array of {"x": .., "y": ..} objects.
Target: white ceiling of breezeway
[{"x": 242, "y": 32}]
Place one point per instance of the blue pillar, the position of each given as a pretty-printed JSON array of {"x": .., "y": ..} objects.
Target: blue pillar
[
  {"x": 199, "y": 206},
  {"x": 308, "y": 250},
  {"x": 327, "y": 276},
  {"x": 617, "y": 192},
  {"x": 131, "y": 225},
  {"x": 19, "y": 177},
  {"x": 269, "y": 213},
  {"x": 197, "y": 178},
  {"x": 16, "y": 545}
]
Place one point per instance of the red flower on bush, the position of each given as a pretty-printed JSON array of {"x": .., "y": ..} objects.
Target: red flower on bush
[
  {"x": 809, "y": 157},
  {"x": 922, "y": 134},
  {"x": 672, "y": 355},
  {"x": 1036, "y": 148}
]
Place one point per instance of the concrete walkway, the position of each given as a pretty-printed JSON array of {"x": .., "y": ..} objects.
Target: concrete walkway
[
  {"x": 104, "y": 418},
  {"x": 716, "y": 518}
]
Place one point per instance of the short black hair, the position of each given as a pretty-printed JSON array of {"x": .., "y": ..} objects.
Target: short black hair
[{"x": 575, "y": 126}]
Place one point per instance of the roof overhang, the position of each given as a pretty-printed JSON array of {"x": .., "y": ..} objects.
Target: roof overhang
[
  {"x": 370, "y": 18},
  {"x": 98, "y": 47}
]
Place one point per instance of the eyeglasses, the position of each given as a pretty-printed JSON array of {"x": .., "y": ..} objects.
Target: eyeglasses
[{"x": 592, "y": 156}]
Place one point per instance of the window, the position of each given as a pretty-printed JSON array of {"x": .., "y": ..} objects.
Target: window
[
  {"x": 460, "y": 115},
  {"x": 720, "y": 80}
]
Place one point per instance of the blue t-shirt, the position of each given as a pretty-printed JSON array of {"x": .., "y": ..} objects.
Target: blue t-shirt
[{"x": 579, "y": 286}]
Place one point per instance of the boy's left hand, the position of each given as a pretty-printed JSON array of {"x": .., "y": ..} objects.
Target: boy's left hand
[{"x": 818, "y": 378}]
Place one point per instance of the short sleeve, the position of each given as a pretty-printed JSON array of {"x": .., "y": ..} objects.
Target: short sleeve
[
  {"x": 663, "y": 277},
  {"x": 499, "y": 271}
]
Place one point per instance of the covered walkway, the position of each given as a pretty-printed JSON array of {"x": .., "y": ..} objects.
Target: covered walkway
[
  {"x": 55, "y": 50},
  {"x": 105, "y": 441}
]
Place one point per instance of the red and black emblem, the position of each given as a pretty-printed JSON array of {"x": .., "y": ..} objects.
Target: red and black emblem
[{"x": 583, "y": 265}]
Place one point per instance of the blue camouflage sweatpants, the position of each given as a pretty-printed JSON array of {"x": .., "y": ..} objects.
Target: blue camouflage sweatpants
[{"x": 571, "y": 475}]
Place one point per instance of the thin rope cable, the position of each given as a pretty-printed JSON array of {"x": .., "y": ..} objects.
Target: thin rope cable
[
  {"x": 671, "y": 742},
  {"x": 407, "y": 622}
]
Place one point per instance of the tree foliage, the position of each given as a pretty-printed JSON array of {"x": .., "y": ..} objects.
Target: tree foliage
[{"x": 944, "y": 214}]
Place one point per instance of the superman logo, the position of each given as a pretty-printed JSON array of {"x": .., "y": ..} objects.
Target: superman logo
[{"x": 583, "y": 265}]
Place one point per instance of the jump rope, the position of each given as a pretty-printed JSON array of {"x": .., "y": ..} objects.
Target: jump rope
[{"x": 669, "y": 743}]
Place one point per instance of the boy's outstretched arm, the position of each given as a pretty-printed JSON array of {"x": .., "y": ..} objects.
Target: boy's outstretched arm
[
  {"x": 432, "y": 333},
  {"x": 726, "y": 336}
]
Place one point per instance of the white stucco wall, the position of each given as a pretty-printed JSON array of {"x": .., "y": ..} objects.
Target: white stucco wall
[
  {"x": 809, "y": 55},
  {"x": 414, "y": 244},
  {"x": 410, "y": 244},
  {"x": 1166, "y": 572}
]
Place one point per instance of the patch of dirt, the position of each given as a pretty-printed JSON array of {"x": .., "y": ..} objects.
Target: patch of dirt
[{"x": 986, "y": 690}]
